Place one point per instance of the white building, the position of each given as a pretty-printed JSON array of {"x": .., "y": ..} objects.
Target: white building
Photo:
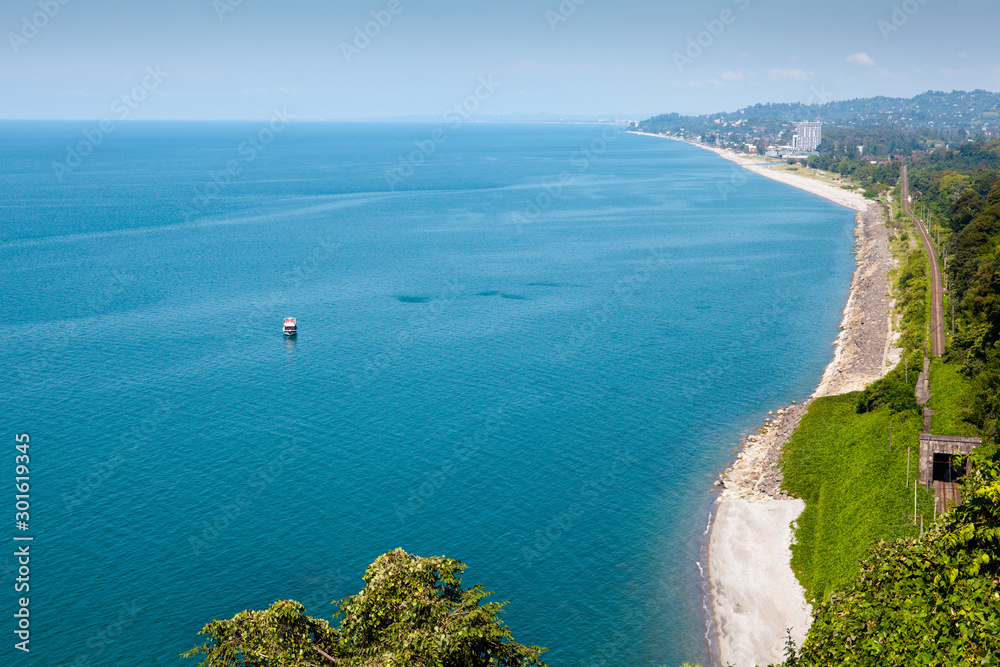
[{"x": 810, "y": 135}]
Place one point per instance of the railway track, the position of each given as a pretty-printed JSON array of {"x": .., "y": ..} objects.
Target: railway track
[{"x": 937, "y": 295}]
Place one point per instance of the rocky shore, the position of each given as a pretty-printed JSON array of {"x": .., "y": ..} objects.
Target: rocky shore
[
  {"x": 756, "y": 474},
  {"x": 755, "y": 596},
  {"x": 865, "y": 351},
  {"x": 866, "y": 347}
]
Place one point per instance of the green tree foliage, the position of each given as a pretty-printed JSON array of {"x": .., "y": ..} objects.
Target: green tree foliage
[
  {"x": 993, "y": 196},
  {"x": 872, "y": 116},
  {"x": 951, "y": 400},
  {"x": 982, "y": 182},
  {"x": 965, "y": 208},
  {"x": 974, "y": 246},
  {"x": 282, "y": 636},
  {"x": 896, "y": 390},
  {"x": 933, "y": 600},
  {"x": 974, "y": 269},
  {"x": 985, "y": 409},
  {"x": 913, "y": 290},
  {"x": 412, "y": 612},
  {"x": 855, "y": 488}
]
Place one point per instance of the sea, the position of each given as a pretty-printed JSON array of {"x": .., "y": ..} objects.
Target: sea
[{"x": 528, "y": 347}]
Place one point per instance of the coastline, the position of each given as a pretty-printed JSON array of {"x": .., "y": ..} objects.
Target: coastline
[
  {"x": 845, "y": 198},
  {"x": 754, "y": 594}
]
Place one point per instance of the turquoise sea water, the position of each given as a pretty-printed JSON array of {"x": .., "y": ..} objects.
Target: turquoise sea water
[{"x": 530, "y": 348}]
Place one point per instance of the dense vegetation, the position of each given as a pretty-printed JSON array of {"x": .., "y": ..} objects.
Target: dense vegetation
[
  {"x": 856, "y": 490},
  {"x": 885, "y": 125},
  {"x": 883, "y": 594},
  {"x": 867, "y": 139},
  {"x": 931, "y": 600},
  {"x": 895, "y": 391},
  {"x": 968, "y": 205},
  {"x": 947, "y": 111},
  {"x": 951, "y": 399},
  {"x": 412, "y": 611},
  {"x": 934, "y": 163}
]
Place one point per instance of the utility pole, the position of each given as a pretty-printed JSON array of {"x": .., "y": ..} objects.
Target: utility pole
[{"x": 907, "y": 467}]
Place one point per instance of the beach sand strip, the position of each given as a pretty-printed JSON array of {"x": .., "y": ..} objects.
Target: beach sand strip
[{"x": 755, "y": 595}]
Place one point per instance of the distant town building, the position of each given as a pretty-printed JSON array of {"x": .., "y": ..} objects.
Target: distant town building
[{"x": 810, "y": 135}]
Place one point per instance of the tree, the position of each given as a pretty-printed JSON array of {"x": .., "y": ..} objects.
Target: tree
[
  {"x": 412, "y": 611},
  {"x": 965, "y": 209},
  {"x": 928, "y": 601},
  {"x": 994, "y": 194},
  {"x": 281, "y": 636}
]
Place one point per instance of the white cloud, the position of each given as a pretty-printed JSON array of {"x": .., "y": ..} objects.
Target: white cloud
[
  {"x": 732, "y": 76},
  {"x": 862, "y": 59},
  {"x": 795, "y": 74}
]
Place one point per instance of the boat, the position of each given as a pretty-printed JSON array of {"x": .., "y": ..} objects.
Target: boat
[{"x": 290, "y": 327}]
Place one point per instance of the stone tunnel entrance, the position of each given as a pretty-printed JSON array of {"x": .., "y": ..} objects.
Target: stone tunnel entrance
[
  {"x": 947, "y": 468},
  {"x": 938, "y": 466}
]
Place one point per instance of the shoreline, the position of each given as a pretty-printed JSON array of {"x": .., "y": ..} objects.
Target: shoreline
[
  {"x": 846, "y": 198},
  {"x": 753, "y": 592}
]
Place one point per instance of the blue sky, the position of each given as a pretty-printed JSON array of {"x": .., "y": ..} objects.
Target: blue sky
[{"x": 242, "y": 59}]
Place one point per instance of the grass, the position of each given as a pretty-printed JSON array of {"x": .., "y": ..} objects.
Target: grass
[
  {"x": 822, "y": 176},
  {"x": 855, "y": 490},
  {"x": 912, "y": 288},
  {"x": 951, "y": 394}
]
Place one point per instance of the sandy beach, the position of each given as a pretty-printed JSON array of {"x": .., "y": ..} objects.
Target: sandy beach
[
  {"x": 835, "y": 194},
  {"x": 755, "y": 595}
]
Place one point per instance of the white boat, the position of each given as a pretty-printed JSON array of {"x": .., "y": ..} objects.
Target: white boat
[{"x": 290, "y": 327}]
